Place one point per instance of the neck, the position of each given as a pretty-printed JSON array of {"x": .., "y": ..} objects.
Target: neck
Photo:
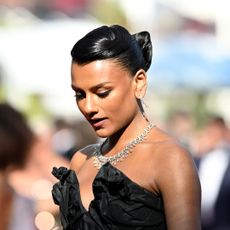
[{"x": 122, "y": 137}]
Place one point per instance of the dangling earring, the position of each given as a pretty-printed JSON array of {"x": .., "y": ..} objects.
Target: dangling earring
[{"x": 143, "y": 103}]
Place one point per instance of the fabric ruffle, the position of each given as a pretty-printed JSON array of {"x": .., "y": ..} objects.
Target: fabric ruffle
[
  {"x": 118, "y": 204},
  {"x": 66, "y": 194},
  {"x": 125, "y": 204}
]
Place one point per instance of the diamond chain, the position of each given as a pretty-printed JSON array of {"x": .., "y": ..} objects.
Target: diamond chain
[{"x": 100, "y": 160}]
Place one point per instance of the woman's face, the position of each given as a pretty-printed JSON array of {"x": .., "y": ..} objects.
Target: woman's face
[{"x": 105, "y": 95}]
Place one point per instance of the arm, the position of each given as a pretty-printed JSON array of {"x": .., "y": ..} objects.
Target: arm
[{"x": 179, "y": 185}]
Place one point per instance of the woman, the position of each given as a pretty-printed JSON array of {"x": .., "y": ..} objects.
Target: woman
[{"x": 139, "y": 177}]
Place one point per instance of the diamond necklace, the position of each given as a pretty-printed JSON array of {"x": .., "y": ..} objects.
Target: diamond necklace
[{"x": 99, "y": 160}]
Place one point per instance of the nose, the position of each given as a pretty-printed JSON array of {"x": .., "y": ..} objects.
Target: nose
[{"x": 90, "y": 105}]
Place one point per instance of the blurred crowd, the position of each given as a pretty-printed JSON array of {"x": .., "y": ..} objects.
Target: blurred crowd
[
  {"x": 210, "y": 148},
  {"x": 28, "y": 153},
  {"x": 49, "y": 8}
]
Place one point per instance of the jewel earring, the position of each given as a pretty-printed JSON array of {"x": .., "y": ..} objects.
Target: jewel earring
[
  {"x": 140, "y": 97},
  {"x": 143, "y": 103}
]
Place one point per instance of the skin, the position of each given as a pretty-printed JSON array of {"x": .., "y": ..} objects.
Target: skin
[{"x": 108, "y": 93}]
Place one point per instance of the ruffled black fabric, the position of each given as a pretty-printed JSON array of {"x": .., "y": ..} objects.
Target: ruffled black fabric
[{"x": 119, "y": 203}]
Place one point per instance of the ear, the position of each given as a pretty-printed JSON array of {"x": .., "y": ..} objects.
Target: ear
[{"x": 140, "y": 83}]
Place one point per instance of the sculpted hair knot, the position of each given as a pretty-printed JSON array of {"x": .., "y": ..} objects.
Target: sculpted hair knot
[
  {"x": 144, "y": 41},
  {"x": 132, "y": 52}
]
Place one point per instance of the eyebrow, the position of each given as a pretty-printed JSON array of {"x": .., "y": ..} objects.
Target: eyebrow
[{"x": 95, "y": 87}]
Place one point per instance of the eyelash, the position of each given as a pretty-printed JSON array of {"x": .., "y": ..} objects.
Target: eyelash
[
  {"x": 104, "y": 94},
  {"x": 80, "y": 96}
]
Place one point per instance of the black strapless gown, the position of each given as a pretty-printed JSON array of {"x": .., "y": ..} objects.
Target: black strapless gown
[{"x": 118, "y": 204}]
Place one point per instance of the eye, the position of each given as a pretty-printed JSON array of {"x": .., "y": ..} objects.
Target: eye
[
  {"x": 79, "y": 95},
  {"x": 103, "y": 93}
]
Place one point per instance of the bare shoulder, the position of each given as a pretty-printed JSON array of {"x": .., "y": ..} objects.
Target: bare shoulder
[
  {"x": 170, "y": 158},
  {"x": 81, "y": 156},
  {"x": 172, "y": 153},
  {"x": 168, "y": 148},
  {"x": 177, "y": 181}
]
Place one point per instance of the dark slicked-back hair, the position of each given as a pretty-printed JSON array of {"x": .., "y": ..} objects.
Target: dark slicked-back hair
[
  {"x": 16, "y": 137},
  {"x": 132, "y": 52}
]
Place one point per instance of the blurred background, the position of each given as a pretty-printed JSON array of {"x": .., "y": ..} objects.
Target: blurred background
[{"x": 188, "y": 94}]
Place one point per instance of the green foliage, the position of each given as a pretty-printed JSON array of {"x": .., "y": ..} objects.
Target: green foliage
[
  {"x": 108, "y": 12},
  {"x": 34, "y": 106},
  {"x": 2, "y": 93}
]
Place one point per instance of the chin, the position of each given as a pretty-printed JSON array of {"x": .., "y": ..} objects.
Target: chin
[{"x": 102, "y": 133}]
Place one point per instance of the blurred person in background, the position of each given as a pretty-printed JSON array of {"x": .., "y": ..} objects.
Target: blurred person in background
[
  {"x": 32, "y": 181},
  {"x": 180, "y": 124},
  {"x": 16, "y": 140},
  {"x": 85, "y": 134},
  {"x": 64, "y": 140},
  {"x": 138, "y": 177},
  {"x": 213, "y": 162},
  {"x": 70, "y": 136}
]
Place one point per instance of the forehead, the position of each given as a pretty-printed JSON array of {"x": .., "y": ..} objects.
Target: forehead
[{"x": 97, "y": 72}]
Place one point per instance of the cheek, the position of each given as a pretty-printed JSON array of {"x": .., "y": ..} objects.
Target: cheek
[{"x": 121, "y": 103}]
